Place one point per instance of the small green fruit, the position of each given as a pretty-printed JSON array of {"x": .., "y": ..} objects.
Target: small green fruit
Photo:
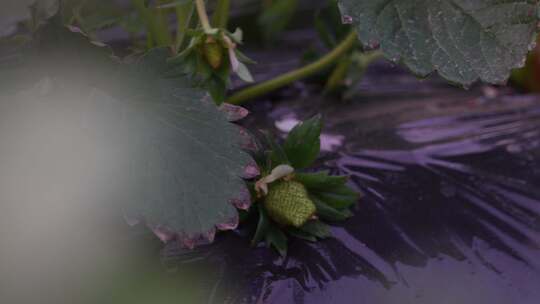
[
  {"x": 213, "y": 52},
  {"x": 288, "y": 203}
]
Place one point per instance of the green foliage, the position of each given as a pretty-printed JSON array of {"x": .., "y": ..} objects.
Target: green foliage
[
  {"x": 182, "y": 165},
  {"x": 275, "y": 155},
  {"x": 182, "y": 128},
  {"x": 320, "y": 180},
  {"x": 275, "y": 16},
  {"x": 156, "y": 24},
  {"x": 528, "y": 77},
  {"x": 263, "y": 225},
  {"x": 349, "y": 69},
  {"x": 296, "y": 203},
  {"x": 317, "y": 229},
  {"x": 463, "y": 40},
  {"x": 181, "y": 160},
  {"x": 277, "y": 239},
  {"x": 303, "y": 144},
  {"x": 330, "y": 193},
  {"x": 92, "y": 16},
  {"x": 328, "y": 213},
  {"x": 221, "y": 13},
  {"x": 211, "y": 57}
]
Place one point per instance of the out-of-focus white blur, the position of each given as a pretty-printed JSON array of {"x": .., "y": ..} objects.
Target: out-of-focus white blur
[
  {"x": 56, "y": 178},
  {"x": 63, "y": 174}
]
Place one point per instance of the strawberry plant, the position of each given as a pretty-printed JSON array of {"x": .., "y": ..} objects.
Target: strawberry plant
[
  {"x": 184, "y": 167},
  {"x": 290, "y": 201}
]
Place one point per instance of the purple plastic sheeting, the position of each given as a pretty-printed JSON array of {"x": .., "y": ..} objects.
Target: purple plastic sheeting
[{"x": 451, "y": 213}]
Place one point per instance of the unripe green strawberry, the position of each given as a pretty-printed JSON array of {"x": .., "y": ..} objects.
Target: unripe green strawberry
[
  {"x": 288, "y": 203},
  {"x": 213, "y": 52}
]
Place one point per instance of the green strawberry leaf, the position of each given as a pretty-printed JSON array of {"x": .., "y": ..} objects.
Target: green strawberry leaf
[
  {"x": 275, "y": 155},
  {"x": 299, "y": 234},
  {"x": 191, "y": 163},
  {"x": 331, "y": 191},
  {"x": 320, "y": 181},
  {"x": 262, "y": 226},
  {"x": 277, "y": 239},
  {"x": 317, "y": 228},
  {"x": 303, "y": 143},
  {"x": 327, "y": 213},
  {"x": 217, "y": 89},
  {"x": 177, "y": 160},
  {"x": 340, "y": 197},
  {"x": 464, "y": 40}
]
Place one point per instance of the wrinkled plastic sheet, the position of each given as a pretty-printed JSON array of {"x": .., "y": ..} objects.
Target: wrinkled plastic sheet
[{"x": 451, "y": 212}]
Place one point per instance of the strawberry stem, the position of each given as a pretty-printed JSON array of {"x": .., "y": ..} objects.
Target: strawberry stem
[
  {"x": 203, "y": 16},
  {"x": 324, "y": 62}
]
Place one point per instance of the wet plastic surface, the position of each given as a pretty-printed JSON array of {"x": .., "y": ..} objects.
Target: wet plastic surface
[{"x": 451, "y": 212}]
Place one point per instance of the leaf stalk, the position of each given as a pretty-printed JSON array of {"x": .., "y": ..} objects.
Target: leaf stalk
[
  {"x": 203, "y": 16},
  {"x": 322, "y": 63}
]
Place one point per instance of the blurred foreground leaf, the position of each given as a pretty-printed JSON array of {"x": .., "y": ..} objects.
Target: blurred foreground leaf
[{"x": 176, "y": 160}]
